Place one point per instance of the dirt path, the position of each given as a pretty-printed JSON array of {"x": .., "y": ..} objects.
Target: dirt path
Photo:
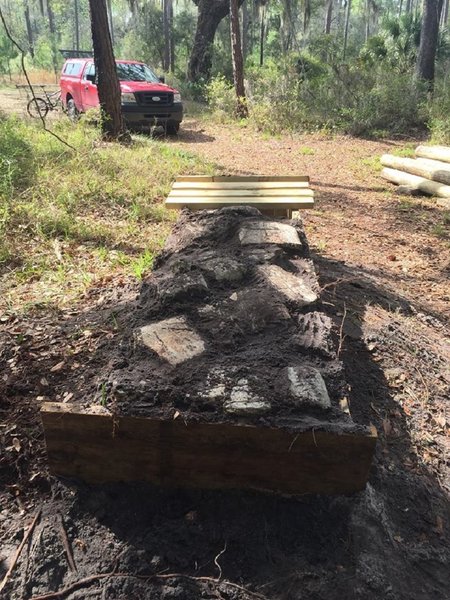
[
  {"x": 404, "y": 244},
  {"x": 383, "y": 264}
]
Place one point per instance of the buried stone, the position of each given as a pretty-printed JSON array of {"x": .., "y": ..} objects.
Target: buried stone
[
  {"x": 307, "y": 385},
  {"x": 292, "y": 287},
  {"x": 243, "y": 402},
  {"x": 172, "y": 340},
  {"x": 269, "y": 232}
]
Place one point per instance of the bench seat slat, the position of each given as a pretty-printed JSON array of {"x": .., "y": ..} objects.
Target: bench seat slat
[
  {"x": 245, "y": 185},
  {"x": 242, "y": 178},
  {"x": 252, "y": 193}
]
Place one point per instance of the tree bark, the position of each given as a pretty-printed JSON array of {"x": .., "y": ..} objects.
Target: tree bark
[
  {"x": 444, "y": 13},
  {"x": 29, "y": 29},
  {"x": 367, "y": 20},
  {"x": 210, "y": 14},
  {"x": 52, "y": 28},
  {"x": 262, "y": 35},
  {"x": 110, "y": 21},
  {"x": 428, "y": 42},
  {"x": 76, "y": 25},
  {"x": 238, "y": 62},
  {"x": 245, "y": 30},
  {"x": 329, "y": 16},
  {"x": 105, "y": 65},
  {"x": 346, "y": 26},
  {"x": 169, "y": 54}
]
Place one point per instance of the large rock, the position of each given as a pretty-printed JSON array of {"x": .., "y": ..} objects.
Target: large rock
[
  {"x": 172, "y": 340},
  {"x": 291, "y": 286},
  {"x": 269, "y": 232}
]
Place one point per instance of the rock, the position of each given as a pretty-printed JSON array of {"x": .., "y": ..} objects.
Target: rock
[
  {"x": 243, "y": 402},
  {"x": 191, "y": 285},
  {"x": 314, "y": 333},
  {"x": 172, "y": 340},
  {"x": 307, "y": 385},
  {"x": 223, "y": 268},
  {"x": 291, "y": 286},
  {"x": 269, "y": 232}
]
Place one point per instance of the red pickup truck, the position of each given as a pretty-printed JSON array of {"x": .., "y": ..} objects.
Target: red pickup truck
[{"x": 146, "y": 101}]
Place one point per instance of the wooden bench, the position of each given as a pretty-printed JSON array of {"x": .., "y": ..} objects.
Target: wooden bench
[{"x": 276, "y": 196}]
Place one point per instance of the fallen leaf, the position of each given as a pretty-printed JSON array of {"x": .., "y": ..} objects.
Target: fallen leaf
[
  {"x": 57, "y": 367},
  {"x": 16, "y": 444}
]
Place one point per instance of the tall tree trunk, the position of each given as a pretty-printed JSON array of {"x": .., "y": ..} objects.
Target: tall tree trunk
[
  {"x": 105, "y": 65},
  {"x": 346, "y": 26},
  {"x": 238, "y": 63},
  {"x": 110, "y": 21},
  {"x": 328, "y": 16},
  {"x": 210, "y": 14},
  {"x": 246, "y": 42},
  {"x": 172, "y": 41},
  {"x": 76, "y": 25},
  {"x": 262, "y": 35},
  {"x": 428, "y": 42},
  {"x": 29, "y": 29},
  {"x": 41, "y": 7},
  {"x": 52, "y": 28},
  {"x": 445, "y": 13},
  {"x": 367, "y": 20},
  {"x": 168, "y": 56}
]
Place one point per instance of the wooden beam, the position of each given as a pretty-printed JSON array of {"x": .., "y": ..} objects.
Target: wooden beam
[
  {"x": 242, "y": 178},
  {"x": 238, "y": 185},
  {"x": 98, "y": 449},
  {"x": 441, "y": 153},
  {"x": 253, "y": 192},
  {"x": 429, "y": 169},
  {"x": 433, "y": 188},
  {"x": 217, "y": 202}
]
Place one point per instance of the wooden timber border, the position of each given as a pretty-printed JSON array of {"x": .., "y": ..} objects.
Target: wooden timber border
[{"x": 99, "y": 448}]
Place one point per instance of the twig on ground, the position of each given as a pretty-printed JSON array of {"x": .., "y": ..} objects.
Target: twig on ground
[
  {"x": 338, "y": 282},
  {"x": 155, "y": 577},
  {"x": 341, "y": 332},
  {"x": 217, "y": 563},
  {"x": 20, "y": 548},
  {"x": 66, "y": 544}
]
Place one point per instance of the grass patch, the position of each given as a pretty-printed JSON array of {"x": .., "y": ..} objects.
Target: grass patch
[
  {"x": 408, "y": 152},
  {"x": 306, "y": 151},
  {"x": 70, "y": 218}
]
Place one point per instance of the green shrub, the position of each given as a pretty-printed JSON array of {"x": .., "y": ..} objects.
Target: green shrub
[
  {"x": 439, "y": 122},
  {"x": 221, "y": 97},
  {"x": 16, "y": 157}
]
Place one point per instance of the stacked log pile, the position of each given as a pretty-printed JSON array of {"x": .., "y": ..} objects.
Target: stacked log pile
[{"x": 428, "y": 173}]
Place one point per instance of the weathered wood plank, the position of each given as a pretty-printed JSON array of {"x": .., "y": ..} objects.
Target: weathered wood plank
[
  {"x": 215, "y": 202},
  {"x": 245, "y": 185},
  {"x": 242, "y": 178},
  {"x": 98, "y": 448},
  {"x": 419, "y": 183},
  {"x": 252, "y": 192}
]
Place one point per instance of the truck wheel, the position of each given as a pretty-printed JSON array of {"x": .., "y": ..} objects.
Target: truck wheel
[
  {"x": 72, "y": 111},
  {"x": 172, "y": 128}
]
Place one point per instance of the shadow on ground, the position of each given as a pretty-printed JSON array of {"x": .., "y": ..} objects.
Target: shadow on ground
[{"x": 386, "y": 542}]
